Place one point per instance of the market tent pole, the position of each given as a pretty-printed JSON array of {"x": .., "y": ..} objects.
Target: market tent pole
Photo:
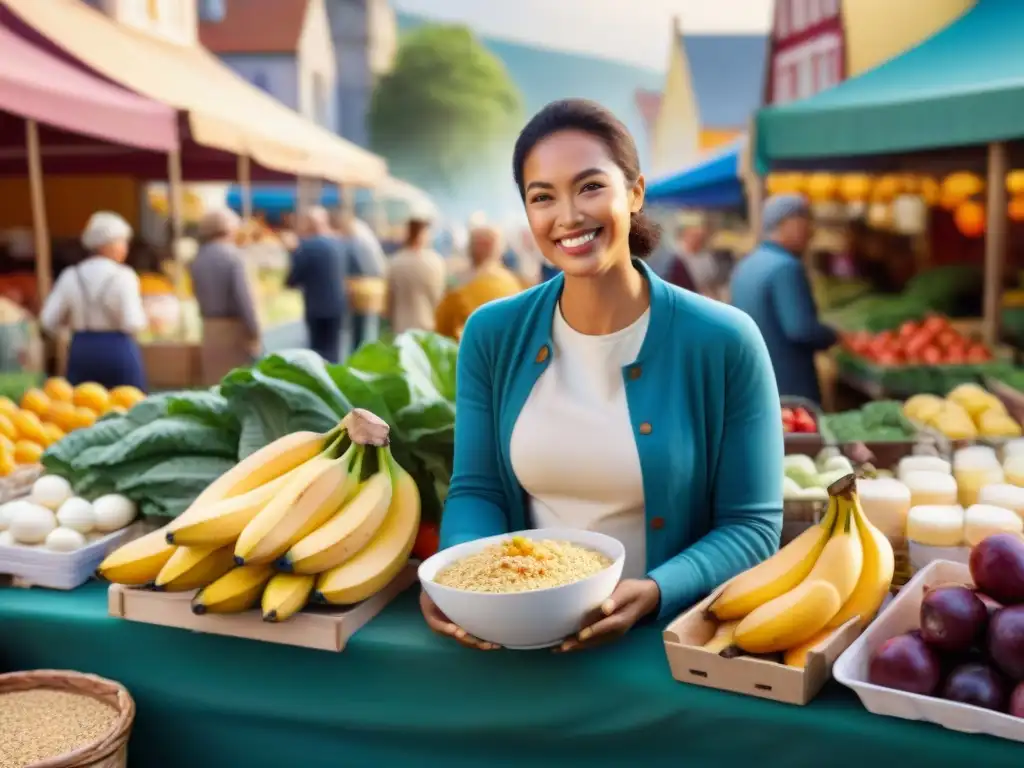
[
  {"x": 175, "y": 210},
  {"x": 245, "y": 186},
  {"x": 44, "y": 266},
  {"x": 995, "y": 240}
]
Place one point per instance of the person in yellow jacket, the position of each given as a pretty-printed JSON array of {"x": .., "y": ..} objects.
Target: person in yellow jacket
[{"x": 486, "y": 280}]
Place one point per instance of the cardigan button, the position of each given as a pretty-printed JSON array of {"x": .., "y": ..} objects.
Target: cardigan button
[
  {"x": 658, "y": 523},
  {"x": 634, "y": 372},
  {"x": 645, "y": 428},
  {"x": 543, "y": 354}
]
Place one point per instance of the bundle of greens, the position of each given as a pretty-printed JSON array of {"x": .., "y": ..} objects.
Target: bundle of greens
[{"x": 167, "y": 449}]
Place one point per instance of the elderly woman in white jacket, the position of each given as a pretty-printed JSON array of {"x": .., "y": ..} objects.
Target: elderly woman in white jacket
[{"x": 101, "y": 302}]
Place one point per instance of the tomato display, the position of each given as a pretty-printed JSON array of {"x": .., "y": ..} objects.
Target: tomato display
[
  {"x": 798, "y": 421},
  {"x": 931, "y": 341}
]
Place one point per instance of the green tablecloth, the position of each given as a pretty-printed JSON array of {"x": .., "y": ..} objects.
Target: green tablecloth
[{"x": 401, "y": 696}]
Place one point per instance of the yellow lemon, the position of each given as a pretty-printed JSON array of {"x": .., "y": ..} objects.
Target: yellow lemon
[
  {"x": 7, "y": 464},
  {"x": 52, "y": 433},
  {"x": 126, "y": 397},
  {"x": 64, "y": 415},
  {"x": 35, "y": 400},
  {"x": 28, "y": 425},
  {"x": 7, "y": 427},
  {"x": 27, "y": 452},
  {"x": 85, "y": 417},
  {"x": 92, "y": 396},
  {"x": 7, "y": 406},
  {"x": 6, "y": 445},
  {"x": 58, "y": 389}
]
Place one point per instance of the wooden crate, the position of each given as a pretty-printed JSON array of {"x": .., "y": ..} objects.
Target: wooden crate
[{"x": 324, "y": 628}]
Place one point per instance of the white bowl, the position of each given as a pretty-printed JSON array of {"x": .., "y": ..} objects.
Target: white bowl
[{"x": 539, "y": 618}]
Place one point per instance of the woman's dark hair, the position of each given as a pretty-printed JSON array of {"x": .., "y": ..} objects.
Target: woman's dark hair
[
  {"x": 590, "y": 117},
  {"x": 414, "y": 230}
]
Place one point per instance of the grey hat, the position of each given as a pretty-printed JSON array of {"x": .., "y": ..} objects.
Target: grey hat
[{"x": 778, "y": 208}]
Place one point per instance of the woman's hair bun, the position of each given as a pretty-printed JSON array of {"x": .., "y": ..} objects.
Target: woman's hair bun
[{"x": 644, "y": 235}]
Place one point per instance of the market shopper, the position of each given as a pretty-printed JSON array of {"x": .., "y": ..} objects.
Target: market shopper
[
  {"x": 100, "y": 301},
  {"x": 231, "y": 328},
  {"x": 321, "y": 265},
  {"x": 372, "y": 263},
  {"x": 416, "y": 281},
  {"x": 606, "y": 399},
  {"x": 771, "y": 286},
  {"x": 486, "y": 280}
]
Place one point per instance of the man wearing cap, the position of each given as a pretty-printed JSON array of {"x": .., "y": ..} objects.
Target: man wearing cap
[{"x": 771, "y": 286}]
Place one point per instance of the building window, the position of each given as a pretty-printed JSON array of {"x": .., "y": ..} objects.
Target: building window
[
  {"x": 153, "y": 10},
  {"x": 781, "y": 19},
  {"x": 813, "y": 12},
  {"x": 798, "y": 22},
  {"x": 829, "y": 9}
]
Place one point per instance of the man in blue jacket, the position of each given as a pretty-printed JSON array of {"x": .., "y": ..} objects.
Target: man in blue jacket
[
  {"x": 320, "y": 266},
  {"x": 771, "y": 286}
]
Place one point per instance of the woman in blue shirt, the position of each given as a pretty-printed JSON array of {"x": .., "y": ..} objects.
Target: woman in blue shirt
[{"x": 609, "y": 400}]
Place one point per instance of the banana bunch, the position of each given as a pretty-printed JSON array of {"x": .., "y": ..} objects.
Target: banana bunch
[
  {"x": 836, "y": 571},
  {"x": 294, "y": 522}
]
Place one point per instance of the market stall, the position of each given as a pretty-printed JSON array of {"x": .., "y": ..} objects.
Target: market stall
[
  {"x": 908, "y": 115},
  {"x": 713, "y": 182}
]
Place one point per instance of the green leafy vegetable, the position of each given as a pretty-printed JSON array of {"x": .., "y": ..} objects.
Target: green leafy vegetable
[{"x": 174, "y": 435}]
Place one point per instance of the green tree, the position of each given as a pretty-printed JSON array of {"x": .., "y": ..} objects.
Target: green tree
[{"x": 446, "y": 110}]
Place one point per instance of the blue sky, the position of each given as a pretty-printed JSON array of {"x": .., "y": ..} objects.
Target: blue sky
[{"x": 635, "y": 31}]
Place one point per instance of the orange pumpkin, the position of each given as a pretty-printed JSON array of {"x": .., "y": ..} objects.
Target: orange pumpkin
[
  {"x": 1015, "y": 209},
  {"x": 970, "y": 219}
]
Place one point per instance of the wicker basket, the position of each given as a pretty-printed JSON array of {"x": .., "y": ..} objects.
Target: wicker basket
[
  {"x": 111, "y": 751},
  {"x": 19, "y": 483},
  {"x": 367, "y": 295}
]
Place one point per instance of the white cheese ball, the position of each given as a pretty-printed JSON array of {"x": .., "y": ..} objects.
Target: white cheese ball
[
  {"x": 31, "y": 523},
  {"x": 113, "y": 512},
  {"x": 77, "y": 514},
  {"x": 64, "y": 540},
  {"x": 51, "y": 491}
]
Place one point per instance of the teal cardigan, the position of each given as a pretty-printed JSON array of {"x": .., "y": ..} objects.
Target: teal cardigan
[{"x": 706, "y": 418}]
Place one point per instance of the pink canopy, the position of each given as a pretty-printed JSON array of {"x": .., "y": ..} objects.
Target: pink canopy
[{"x": 38, "y": 86}]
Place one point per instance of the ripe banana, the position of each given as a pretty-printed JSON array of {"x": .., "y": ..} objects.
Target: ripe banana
[
  {"x": 798, "y": 615},
  {"x": 875, "y": 577},
  {"x": 797, "y": 655},
  {"x": 268, "y": 463},
  {"x": 237, "y": 590},
  {"x": 138, "y": 562},
  {"x": 842, "y": 560},
  {"x": 194, "y": 567},
  {"x": 380, "y": 561},
  {"x": 286, "y": 594},
  {"x": 723, "y": 637},
  {"x": 348, "y": 532},
  {"x": 221, "y": 522},
  {"x": 301, "y": 507},
  {"x": 777, "y": 575},
  {"x": 789, "y": 620}
]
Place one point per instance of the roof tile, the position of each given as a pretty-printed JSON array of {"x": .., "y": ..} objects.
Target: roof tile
[{"x": 256, "y": 26}]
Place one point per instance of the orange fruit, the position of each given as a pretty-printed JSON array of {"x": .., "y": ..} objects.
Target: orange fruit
[
  {"x": 85, "y": 417},
  {"x": 7, "y": 464},
  {"x": 7, "y": 406},
  {"x": 63, "y": 415},
  {"x": 126, "y": 397},
  {"x": 6, "y": 445},
  {"x": 52, "y": 433},
  {"x": 92, "y": 396},
  {"x": 59, "y": 389},
  {"x": 7, "y": 427},
  {"x": 27, "y": 452},
  {"x": 28, "y": 425},
  {"x": 35, "y": 400}
]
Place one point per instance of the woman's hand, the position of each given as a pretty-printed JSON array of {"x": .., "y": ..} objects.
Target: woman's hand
[
  {"x": 441, "y": 624},
  {"x": 631, "y": 601}
]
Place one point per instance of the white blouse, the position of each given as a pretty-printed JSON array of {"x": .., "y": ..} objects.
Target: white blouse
[
  {"x": 573, "y": 448},
  {"x": 97, "y": 295}
]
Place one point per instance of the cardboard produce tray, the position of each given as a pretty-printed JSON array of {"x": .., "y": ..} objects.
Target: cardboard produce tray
[
  {"x": 690, "y": 663},
  {"x": 323, "y": 628}
]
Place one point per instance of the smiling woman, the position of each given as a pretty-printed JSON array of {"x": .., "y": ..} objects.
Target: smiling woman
[{"x": 608, "y": 400}]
